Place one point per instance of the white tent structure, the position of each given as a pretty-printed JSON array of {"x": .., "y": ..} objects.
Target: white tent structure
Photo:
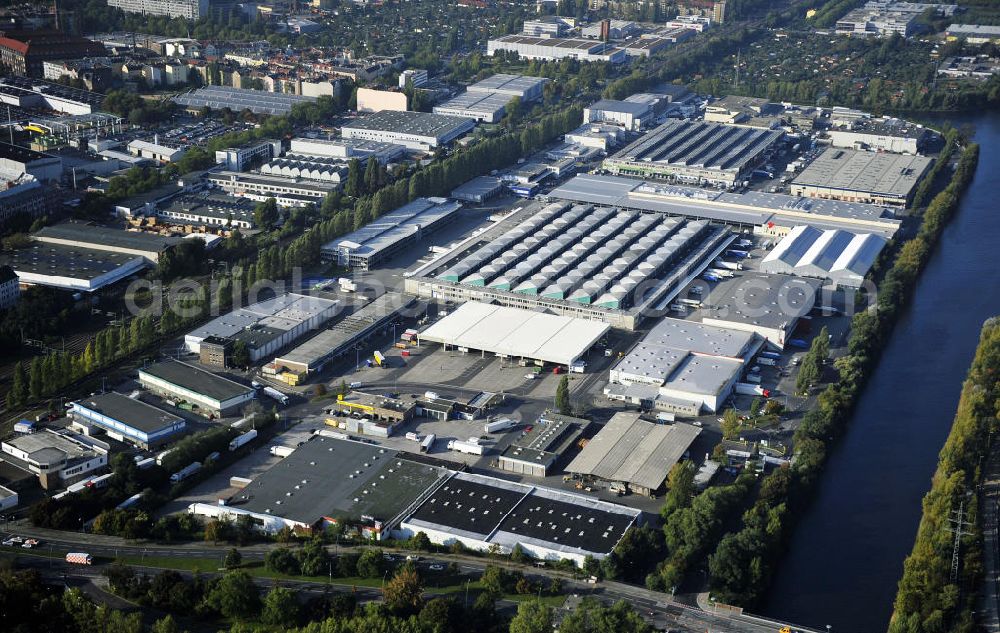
[
  {"x": 516, "y": 333},
  {"x": 840, "y": 256}
]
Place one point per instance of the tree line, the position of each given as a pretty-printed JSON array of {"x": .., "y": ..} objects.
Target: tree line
[
  {"x": 742, "y": 565},
  {"x": 929, "y": 599}
]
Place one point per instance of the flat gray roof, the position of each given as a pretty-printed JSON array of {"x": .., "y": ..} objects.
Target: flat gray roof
[
  {"x": 478, "y": 102},
  {"x": 196, "y": 379},
  {"x": 629, "y": 107},
  {"x": 338, "y": 479},
  {"x": 105, "y": 238},
  {"x": 478, "y": 186},
  {"x": 48, "y": 447},
  {"x": 698, "y": 144},
  {"x": 331, "y": 342},
  {"x": 387, "y": 230},
  {"x": 257, "y": 101},
  {"x": 869, "y": 172},
  {"x": 700, "y": 338},
  {"x": 754, "y": 207},
  {"x": 59, "y": 260},
  {"x": 130, "y": 411},
  {"x": 702, "y": 374},
  {"x": 632, "y": 450},
  {"x": 514, "y": 85},
  {"x": 416, "y": 123},
  {"x": 764, "y": 300}
]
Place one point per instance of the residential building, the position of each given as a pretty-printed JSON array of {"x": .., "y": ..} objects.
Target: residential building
[
  {"x": 24, "y": 53},
  {"x": 188, "y": 9}
]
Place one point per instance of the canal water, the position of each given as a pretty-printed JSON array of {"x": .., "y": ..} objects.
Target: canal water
[{"x": 846, "y": 556}]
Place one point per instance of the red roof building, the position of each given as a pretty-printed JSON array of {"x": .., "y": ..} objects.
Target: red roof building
[{"x": 23, "y": 52}]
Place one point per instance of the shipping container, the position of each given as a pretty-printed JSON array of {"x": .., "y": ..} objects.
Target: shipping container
[{"x": 749, "y": 389}]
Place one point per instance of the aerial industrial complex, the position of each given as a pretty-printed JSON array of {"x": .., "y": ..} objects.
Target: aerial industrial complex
[
  {"x": 695, "y": 152},
  {"x": 576, "y": 260}
]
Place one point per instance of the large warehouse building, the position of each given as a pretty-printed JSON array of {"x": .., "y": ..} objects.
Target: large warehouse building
[
  {"x": 868, "y": 177},
  {"x": 266, "y": 326},
  {"x": 128, "y": 419},
  {"x": 516, "y": 333},
  {"x": 555, "y": 48},
  {"x": 683, "y": 367},
  {"x": 419, "y": 131},
  {"x": 376, "y": 242},
  {"x": 71, "y": 268},
  {"x": 312, "y": 355},
  {"x": 767, "y": 214},
  {"x": 839, "y": 256},
  {"x": 696, "y": 152},
  {"x": 485, "y": 513},
  {"x": 239, "y": 99},
  {"x": 633, "y": 452},
  {"x": 346, "y": 149},
  {"x": 328, "y": 480},
  {"x": 210, "y": 393},
  {"x": 768, "y": 305},
  {"x": 394, "y": 494},
  {"x": 521, "y": 86},
  {"x": 100, "y": 238},
  {"x": 481, "y": 106},
  {"x": 575, "y": 260}
]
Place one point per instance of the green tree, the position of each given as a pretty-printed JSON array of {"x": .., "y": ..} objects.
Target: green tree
[
  {"x": 370, "y": 564},
  {"x": 240, "y": 356},
  {"x": 371, "y": 175},
  {"x": 265, "y": 214},
  {"x": 235, "y": 596},
  {"x": 403, "y": 592},
  {"x": 233, "y": 558},
  {"x": 166, "y": 624},
  {"x": 283, "y": 561},
  {"x": 281, "y": 608},
  {"x": 352, "y": 187},
  {"x": 36, "y": 380},
  {"x": 562, "y": 397},
  {"x": 730, "y": 424},
  {"x": 532, "y": 617},
  {"x": 19, "y": 386}
]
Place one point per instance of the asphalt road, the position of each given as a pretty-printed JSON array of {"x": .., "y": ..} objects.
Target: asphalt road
[{"x": 659, "y": 609}]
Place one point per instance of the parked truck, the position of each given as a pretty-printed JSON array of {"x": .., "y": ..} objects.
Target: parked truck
[
  {"x": 774, "y": 355},
  {"x": 79, "y": 558},
  {"x": 500, "y": 425},
  {"x": 764, "y": 360},
  {"x": 721, "y": 263},
  {"x": 413, "y": 437},
  {"x": 185, "y": 472},
  {"x": 274, "y": 394},
  {"x": 465, "y": 447},
  {"x": 749, "y": 389},
  {"x": 347, "y": 285},
  {"x": 425, "y": 446},
  {"x": 240, "y": 440},
  {"x": 159, "y": 458}
]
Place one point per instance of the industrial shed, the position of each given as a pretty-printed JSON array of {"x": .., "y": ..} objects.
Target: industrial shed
[
  {"x": 484, "y": 512},
  {"x": 634, "y": 452},
  {"x": 840, "y": 256},
  {"x": 516, "y": 333}
]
